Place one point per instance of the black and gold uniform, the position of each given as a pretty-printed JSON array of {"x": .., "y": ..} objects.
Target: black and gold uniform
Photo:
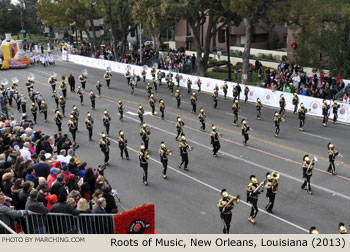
[
  {"x": 143, "y": 73},
  {"x": 120, "y": 110},
  {"x": 159, "y": 77},
  {"x": 301, "y": 114},
  {"x": 202, "y": 117},
  {"x": 82, "y": 80},
  {"x": 164, "y": 153},
  {"x": 246, "y": 92},
  {"x": 272, "y": 183},
  {"x": 277, "y": 120},
  {"x": 215, "y": 98},
  {"x": 149, "y": 89},
  {"x": 307, "y": 166},
  {"x": 214, "y": 140},
  {"x": 235, "y": 92},
  {"x": 38, "y": 98},
  {"x": 106, "y": 118},
  {"x": 199, "y": 83},
  {"x": 128, "y": 77},
  {"x": 295, "y": 102},
  {"x": 282, "y": 107},
  {"x": 184, "y": 148},
  {"x": 98, "y": 87},
  {"x": 144, "y": 155},
  {"x": 179, "y": 127},
  {"x": 325, "y": 113},
  {"x": 177, "y": 78},
  {"x": 236, "y": 109},
  {"x": 224, "y": 89},
  {"x": 43, "y": 109},
  {"x": 335, "y": 108},
  {"x": 34, "y": 110},
  {"x": 23, "y": 102},
  {"x": 56, "y": 97},
  {"x": 107, "y": 76},
  {"x": 62, "y": 102},
  {"x": 152, "y": 103},
  {"x": 253, "y": 191},
  {"x": 140, "y": 113},
  {"x": 145, "y": 134},
  {"x": 153, "y": 72},
  {"x": 189, "y": 86},
  {"x": 63, "y": 86},
  {"x": 225, "y": 205},
  {"x": 171, "y": 87},
  {"x": 73, "y": 127},
  {"x": 259, "y": 107},
  {"x": 58, "y": 120},
  {"x": 245, "y": 128},
  {"x": 52, "y": 81},
  {"x": 332, "y": 154},
  {"x": 80, "y": 94},
  {"x": 29, "y": 84},
  {"x": 123, "y": 145},
  {"x": 133, "y": 85},
  {"x": 155, "y": 84},
  {"x": 162, "y": 108},
  {"x": 75, "y": 113},
  {"x": 194, "y": 102},
  {"x": 178, "y": 98},
  {"x": 313, "y": 230},
  {"x": 92, "y": 98},
  {"x": 89, "y": 122},
  {"x": 105, "y": 147}
]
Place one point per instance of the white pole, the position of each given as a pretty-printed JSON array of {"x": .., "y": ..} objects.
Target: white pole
[{"x": 140, "y": 45}]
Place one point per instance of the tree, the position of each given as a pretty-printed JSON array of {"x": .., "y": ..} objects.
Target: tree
[
  {"x": 197, "y": 13},
  {"x": 10, "y": 17},
  {"x": 252, "y": 12}
]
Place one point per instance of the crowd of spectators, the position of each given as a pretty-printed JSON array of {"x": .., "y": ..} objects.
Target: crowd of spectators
[{"x": 41, "y": 173}]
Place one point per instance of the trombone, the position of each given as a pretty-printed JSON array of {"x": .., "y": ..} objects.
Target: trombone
[
  {"x": 310, "y": 167},
  {"x": 236, "y": 199}
]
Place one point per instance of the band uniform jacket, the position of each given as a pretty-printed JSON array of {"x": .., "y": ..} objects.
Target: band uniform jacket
[
  {"x": 43, "y": 107},
  {"x": 295, "y": 100},
  {"x": 63, "y": 86},
  {"x": 33, "y": 108},
  {"x": 215, "y": 95},
  {"x": 106, "y": 119},
  {"x": 273, "y": 189},
  {"x": 72, "y": 125},
  {"x": 92, "y": 96},
  {"x": 163, "y": 153},
  {"x": 142, "y": 157},
  {"x": 145, "y": 133},
  {"x": 104, "y": 144},
  {"x": 246, "y": 90},
  {"x": 305, "y": 165},
  {"x": 89, "y": 122},
  {"x": 58, "y": 118},
  {"x": 245, "y": 128},
  {"x": 62, "y": 102},
  {"x": 325, "y": 109},
  {"x": 236, "y": 108},
  {"x": 29, "y": 83},
  {"x": 282, "y": 102},
  {"x": 335, "y": 108},
  {"x": 193, "y": 99},
  {"x": 52, "y": 81},
  {"x": 202, "y": 116},
  {"x": 178, "y": 96},
  {"x": 225, "y": 87},
  {"x": 221, "y": 205},
  {"x": 214, "y": 135},
  {"x": 75, "y": 114},
  {"x": 179, "y": 126},
  {"x": 332, "y": 154},
  {"x": 302, "y": 113},
  {"x": 123, "y": 142},
  {"x": 235, "y": 92},
  {"x": 162, "y": 107},
  {"x": 121, "y": 107},
  {"x": 183, "y": 148},
  {"x": 82, "y": 78},
  {"x": 258, "y": 105},
  {"x": 151, "y": 101},
  {"x": 251, "y": 193},
  {"x": 107, "y": 76},
  {"x": 140, "y": 112}
]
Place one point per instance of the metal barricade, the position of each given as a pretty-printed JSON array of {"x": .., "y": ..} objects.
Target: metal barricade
[{"x": 18, "y": 225}]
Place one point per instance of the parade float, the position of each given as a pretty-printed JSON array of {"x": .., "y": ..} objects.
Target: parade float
[{"x": 12, "y": 53}]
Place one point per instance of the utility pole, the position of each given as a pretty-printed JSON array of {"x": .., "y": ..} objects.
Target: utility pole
[
  {"x": 228, "y": 51},
  {"x": 140, "y": 34}
]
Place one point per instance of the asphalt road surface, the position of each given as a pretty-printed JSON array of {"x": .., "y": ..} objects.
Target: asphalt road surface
[{"x": 186, "y": 201}]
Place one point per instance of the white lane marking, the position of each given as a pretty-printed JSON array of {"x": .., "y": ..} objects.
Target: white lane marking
[
  {"x": 317, "y": 136},
  {"x": 216, "y": 189},
  {"x": 252, "y": 163},
  {"x": 146, "y": 113},
  {"x": 238, "y": 116},
  {"x": 182, "y": 101}
]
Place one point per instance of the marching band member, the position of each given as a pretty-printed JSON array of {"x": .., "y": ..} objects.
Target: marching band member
[
  {"x": 214, "y": 136},
  {"x": 335, "y": 108},
  {"x": 140, "y": 113},
  {"x": 194, "y": 102},
  {"x": 56, "y": 98},
  {"x": 215, "y": 98},
  {"x": 272, "y": 184},
  {"x": 236, "y": 108},
  {"x": 164, "y": 153},
  {"x": 143, "y": 73},
  {"x": 149, "y": 89},
  {"x": 155, "y": 84},
  {"x": 179, "y": 127},
  {"x": 224, "y": 89},
  {"x": 145, "y": 134},
  {"x": 144, "y": 155},
  {"x": 120, "y": 110},
  {"x": 58, "y": 120},
  {"x": 52, "y": 81},
  {"x": 253, "y": 191},
  {"x": 92, "y": 98},
  {"x": 153, "y": 72},
  {"x": 307, "y": 166},
  {"x": 245, "y": 128},
  {"x": 282, "y": 107},
  {"x": 189, "y": 86},
  {"x": 162, "y": 108},
  {"x": 246, "y": 92},
  {"x": 105, "y": 147},
  {"x": 73, "y": 127},
  {"x": 106, "y": 118},
  {"x": 342, "y": 229},
  {"x": 184, "y": 148},
  {"x": 82, "y": 79},
  {"x": 202, "y": 117},
  {"x": 152, "y": 103},
  {"x": 128, "y": 77},
  {"x": 199, "y": 83},
  {"x": 225, "y": 205},
  {"x": 277, "y": 120},
  {"x": 325, "y": 113},
  {"x": 332, "y": 154},
  {"x": 34, "y": 110},
  {"x": 62, "y": 102},
  {"x": 75, "y": 114},
  {"x": 63, "y": 86},
  {"x": 313, "y": 230},
  {"x": 259, "y": 107},
  {"x": 295, "y": 102},
  {"x": 89, "y": 122},
  {"x": 178, "y": 98},
  {"x": 98, "y": 87},
  {"x": 80, "y": 94},
  {"x": 123, "y": 145},
  {"x": 43, "y": 109},
  {"x": 107, "y": 76}
]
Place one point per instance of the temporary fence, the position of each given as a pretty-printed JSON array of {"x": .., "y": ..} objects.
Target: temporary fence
[
  {"x": 59, "y": 223},
  {"x": 267, "y": 96}
]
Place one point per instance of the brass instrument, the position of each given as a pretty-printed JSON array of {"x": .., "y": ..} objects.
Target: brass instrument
[
  {"x": 340, "y": 155},
  {"x": 147, "y": 154},
  {"x": 260, "y": 187},
  {"x": 237, "y": 199},
  {"x": 169, "y": 152},
  {"x": 190, "y": 148},
  {"x": 220, "y": 135},
  {"x": 309, "y": 168},
  {"x": 275, "y": 175}
]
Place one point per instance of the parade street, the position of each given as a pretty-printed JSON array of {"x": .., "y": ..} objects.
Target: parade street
[{"x": 186, "y": 202}]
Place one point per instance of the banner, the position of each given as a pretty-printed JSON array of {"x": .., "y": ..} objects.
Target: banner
[{"x": 267, "y": 96}]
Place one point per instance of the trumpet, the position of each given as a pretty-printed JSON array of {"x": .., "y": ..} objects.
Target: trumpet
[{"x": 190, "y": 148}]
